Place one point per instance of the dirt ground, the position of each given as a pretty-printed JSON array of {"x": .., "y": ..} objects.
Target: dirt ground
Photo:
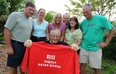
[{"x": 3, "y": 57}]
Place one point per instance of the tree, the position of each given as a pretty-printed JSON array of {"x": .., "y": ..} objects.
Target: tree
[
  {"x": 49, "y": 16},
  {"x": 102, "y": 7},
  {"x": 14, "y": 5},
  {"x": 75, "y": 8},
  {"x": 3, "y": 7},
  {"x": 8, "y": 6}
]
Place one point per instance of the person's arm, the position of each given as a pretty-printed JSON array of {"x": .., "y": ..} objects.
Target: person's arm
[
  {"x": 62, "y": 35},
  {"x": 108, "y": 39},
  {"x": 110, "y": 35},
  {"x": 10, "y": 24},
  {"x": 48, "y": 33},
  {"x": 78, "y": 42},
  {"x": 7, "y": 37},
  {"x": 79, "y": 37}
]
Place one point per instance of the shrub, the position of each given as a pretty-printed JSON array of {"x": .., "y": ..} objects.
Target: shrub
[{"x": 109, "y": 52}]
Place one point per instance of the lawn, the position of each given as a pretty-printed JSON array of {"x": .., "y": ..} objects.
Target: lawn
[{"x": 108, "y": 67}]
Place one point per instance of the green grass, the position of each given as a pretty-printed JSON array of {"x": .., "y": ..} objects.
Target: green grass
[{"x": 108, "y": 67}]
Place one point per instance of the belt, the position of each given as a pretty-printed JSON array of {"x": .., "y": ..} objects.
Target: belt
[
  {"x": 38, "y": 37},
  {"x": 17, "y": 41}
]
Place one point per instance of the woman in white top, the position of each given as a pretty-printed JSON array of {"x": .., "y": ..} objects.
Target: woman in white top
[{"x": 39, "y": 27}]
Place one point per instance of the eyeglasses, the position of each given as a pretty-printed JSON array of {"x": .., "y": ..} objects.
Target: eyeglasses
[{"x": 53, "y": 36}]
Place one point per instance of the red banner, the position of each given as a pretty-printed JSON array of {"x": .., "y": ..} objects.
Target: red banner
[{"x": 44, "y": 58}]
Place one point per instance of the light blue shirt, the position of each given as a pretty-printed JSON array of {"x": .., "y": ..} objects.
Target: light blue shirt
[
  {"x": 20, "y": 26},
  {"x": 39, "y": 30}
]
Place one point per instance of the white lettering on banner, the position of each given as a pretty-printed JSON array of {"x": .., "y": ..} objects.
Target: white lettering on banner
[
  {"x": 46, "y": 65},
  {"x": 56, "y": 66},
  {"x": 50, "y": 57},
  {"x": 49, "y": 62},
  {"x": 49, "y": 65}
]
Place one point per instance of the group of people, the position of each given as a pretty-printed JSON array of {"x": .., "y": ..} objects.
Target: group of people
[{"x": 63, "y": 30}]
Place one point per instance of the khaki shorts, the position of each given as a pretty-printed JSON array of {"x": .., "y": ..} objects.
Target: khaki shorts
[{"x": 92, "y": 57}]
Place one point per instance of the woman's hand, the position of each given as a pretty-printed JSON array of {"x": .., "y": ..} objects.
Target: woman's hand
[
  {"x": 75, "y": 47},
  {"x": 28, "y": 43}
]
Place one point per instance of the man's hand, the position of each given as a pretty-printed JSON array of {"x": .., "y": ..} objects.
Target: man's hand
[
  {"x": 103, "y": 44},
  {"x": 10, "y": 51},
  {"x": 75, "y": 47},
  {"x": 28, "y": 43}
]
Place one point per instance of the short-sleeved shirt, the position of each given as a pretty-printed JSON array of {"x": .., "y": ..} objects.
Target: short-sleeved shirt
[
  {"x": 39, "y": 30},
  {"x": 93, "y": 31},
  {"x": 20, "y": 26},
  {"x": 61, "y": 28},
  {"x": 72, "y": 37}
]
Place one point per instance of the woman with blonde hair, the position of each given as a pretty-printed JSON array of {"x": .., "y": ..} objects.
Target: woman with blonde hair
[{"x": 57, "y": 23}]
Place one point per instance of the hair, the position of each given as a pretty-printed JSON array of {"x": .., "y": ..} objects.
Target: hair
[
  {"x": 55, "y": 30},
  {"x": 41, "y": 9},
  {"x": 58, "y": 14},
  {"x": 76, "y": 20},
  {"x": 88, "y": 5},
  {"x": 66, "y": 14},
  {"x": 30, "y": 4}
]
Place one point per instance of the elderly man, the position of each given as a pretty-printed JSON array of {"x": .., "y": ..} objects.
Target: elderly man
[{"x": 54, "y": 39}]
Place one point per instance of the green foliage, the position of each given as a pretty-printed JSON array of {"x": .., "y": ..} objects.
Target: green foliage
[
  {"x": 114, "y": 24},
  {"x": 109, "y": 52},
  {"x": 101, "y": 7},
  {"x": 1, "y": 37},
  {"x": 3, "y": 19},
  {"x": 14, "y": 5},
  {"x": 49, "y": 17},
  {"x": 108, "y": 67},
  {"x": 3, "y": 7},
  {"x": 76, "y": 8},
  {"x": 9, "y": 6}
]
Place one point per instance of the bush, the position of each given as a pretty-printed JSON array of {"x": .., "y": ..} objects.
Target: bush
[
  {"x": 3, "y": 18},
  {"x": 109, "y": 52},
  {"x": 1, "y": 38},
  {"x": 3, "y": 7}
]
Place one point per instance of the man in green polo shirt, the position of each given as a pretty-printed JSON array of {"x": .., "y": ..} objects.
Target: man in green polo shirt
[
  {"x": 93, "y": 32},
  {"x": 17, "y": 30}
]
